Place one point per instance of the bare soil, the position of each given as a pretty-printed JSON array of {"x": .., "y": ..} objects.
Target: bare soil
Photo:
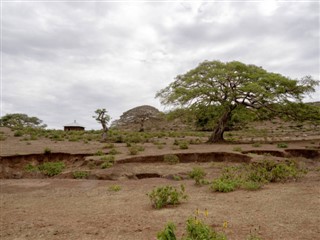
[{"x": 37, "y": 207}]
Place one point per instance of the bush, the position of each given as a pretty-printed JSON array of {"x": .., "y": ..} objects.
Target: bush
[
  {"x": 80, "y": 174},
  {"x": 196, "y": 230},
  {"x": 108, "y": 161},
  {"x": 171, "y": 159},
  {"x": 282, "y": 145},
  {"x": 47, "y": 150},
  {"x": 99, "y": 153},
  {"x": 106, "y": 165},
  {"x": 114, "y": 188},
  {"x": 251, "y": 186},
  {"x": 224, "y": 185},
  {"x": 167, "y": 195},
  {"x": 197, "y": 174},
  {"x": 135, "y": 149},
  {"x": 31, "y": 168},
  {"x": 18, "y": 133},
  {"x": 51, "y": 168},
  {"x": 168, "y": 232},
  {"x": 113, "y": 151},
  {"x": 183, "y": 145}
]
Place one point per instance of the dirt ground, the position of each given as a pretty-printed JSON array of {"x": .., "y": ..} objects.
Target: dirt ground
[{"x": 51, "y": 208}]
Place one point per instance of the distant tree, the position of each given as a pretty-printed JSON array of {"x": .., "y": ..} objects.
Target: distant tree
[
  {"x": 231, "y": 85},
  {"x": 103, "y": 118},
  {"x": 20, "y": 120}
]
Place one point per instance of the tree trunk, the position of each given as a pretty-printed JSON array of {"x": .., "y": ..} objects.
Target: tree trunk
[
  {"x": 217, "y": 135},
  {"x": 105, "y": 132}
]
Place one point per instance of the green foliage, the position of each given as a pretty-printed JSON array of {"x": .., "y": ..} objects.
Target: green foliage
[
  {"x": 225, "y": 88},
  {"x": 198, "y": 230},
  {"x": 18, "y": 133},
  {"x": 168, "y": 232},
  {"x": 224, "y": 185},
  {"x": 254, "y": 175},
  {"x": 99, "y": 153},
  {"x": 51, "y": 168},
  {"x": 31, "y": 168},
  {"x": 251, "y": 185},
  {"x": 183, "y": 145},
  {"x": 135, "y": 149},
  {"x": 167, "y": 195},
  {"x": 80, "y": 174},
  {"x": 108, "y": 161},
  {"x": 114, "y": 188},
  {"x": 19, "y": 120},
  {"x": 282, "y": 145},
  {"x": 113, "y": 151},
  {"x": 171, "y": 159},
  {"x": 197, "y": 174},
  {"x": 47, "y": 150}
]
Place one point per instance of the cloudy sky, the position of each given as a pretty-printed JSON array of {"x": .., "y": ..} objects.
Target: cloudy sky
[{"x": 61, "y": 60}]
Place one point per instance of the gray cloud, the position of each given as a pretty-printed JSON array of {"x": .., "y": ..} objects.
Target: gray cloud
[{"x": 63, "y": 60}]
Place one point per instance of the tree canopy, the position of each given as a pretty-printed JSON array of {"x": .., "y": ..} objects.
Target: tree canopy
[
  {"x": 20, "y": 120},
  {"x": 228, "y": 86}
]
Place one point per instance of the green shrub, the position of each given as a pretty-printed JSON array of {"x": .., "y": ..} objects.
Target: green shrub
[
  {"x": 47, "y": 150},
  {"x": 167, "y": 195},
  {"x": 51, "y": 168},
  {"x": 18, "y": 133},
  {"x": 99, "y": 153},
  {"x": 113, "y": 151},
  {"x": 197, "y": 174},
  {"x": 108, "y": 161},
  {"x": 108, "y": 158},
  {"x": 183, "y": 145},
  {"x": 114, "y": 188},
  {"x": 80, "y": 174},
  {"x": 106, "y": 165},
  {"x": 224, "y": 185},
  {"x": 135, "y": 149},
  {"x": 171, "y": 159},
  {"x": 168, "y": 232},
  {"x": 197, "y": 229},
  {"x": 282, "y": 145},
  {"x": 251, "y": 185},
  {"x": 31, "y": 168}
]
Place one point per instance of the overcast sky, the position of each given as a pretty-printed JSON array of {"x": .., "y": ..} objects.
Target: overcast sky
[{"x": 62, "y": 60}]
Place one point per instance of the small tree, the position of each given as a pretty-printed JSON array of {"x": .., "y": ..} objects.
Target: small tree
[
  {"x": 20, "y": 120},
  {"x": 103, "y": 118},
  {"x": 229, "y": 86}
]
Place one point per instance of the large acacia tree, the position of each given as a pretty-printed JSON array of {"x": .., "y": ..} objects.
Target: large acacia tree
[{"x": 228, "y": 86}]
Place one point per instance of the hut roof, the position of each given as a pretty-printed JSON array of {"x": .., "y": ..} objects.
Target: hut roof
[{"x": 73, "y": 124}]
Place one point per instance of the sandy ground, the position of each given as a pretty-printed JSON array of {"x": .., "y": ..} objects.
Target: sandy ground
[{"x": 86, "y": 209}]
